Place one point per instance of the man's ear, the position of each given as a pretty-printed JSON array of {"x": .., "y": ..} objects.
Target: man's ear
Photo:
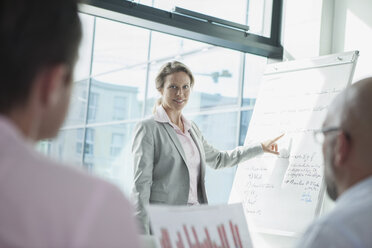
[
  {"x": 52, "y": 80},
  {"x": 342, "y": 149}
]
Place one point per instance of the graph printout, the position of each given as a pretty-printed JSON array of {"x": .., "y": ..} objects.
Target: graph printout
[{"x": 220, "y": 226}]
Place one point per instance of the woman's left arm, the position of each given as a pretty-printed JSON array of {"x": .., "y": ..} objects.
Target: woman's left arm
[{"x": 220, "y": 159}]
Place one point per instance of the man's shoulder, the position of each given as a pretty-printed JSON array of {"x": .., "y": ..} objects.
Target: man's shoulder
[
  {"x": 44, "y": 175},
  {"x": 68, "y": 178},
  {"x": 56, "y": 198},
  {"x": 318, "y": 234},
  {"x": 344, "y": 226}
]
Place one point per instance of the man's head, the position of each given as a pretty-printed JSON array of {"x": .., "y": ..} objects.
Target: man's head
[
  {"x": 347, "y": 149},
  {"x": 38, "y": 48}
]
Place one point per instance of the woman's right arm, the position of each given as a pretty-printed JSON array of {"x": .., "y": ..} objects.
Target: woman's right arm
[{"x": 143, "y": 156}]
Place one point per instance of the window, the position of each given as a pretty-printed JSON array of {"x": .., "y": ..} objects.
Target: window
[
  {"x": 244, "y": 123},
  {"x": 89, "y": 142},
  {"x": 88, "y": 166},
  {"x": 118, "y": 78},
  {"x": 79, "y": 141},
  {"x": 120, "y": 108},
  {"x": 93, "y": 106},
  {"x": 79, "y": 98},
  {"x": 118, "y": 46},
  {"x": 117, "y": 143},
  {"x": 44, "y": 146},
  {"x": 119, "y": 69},
  {"x": 219, "y": 130},
  {"x": 111, "y": 156},
  {"x": 65, "y": 146},
  {"x": 78, "y": 104},
  {"x": 253, "y": 71}
]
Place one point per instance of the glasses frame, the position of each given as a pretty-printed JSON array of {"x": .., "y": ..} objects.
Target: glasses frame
[{"x": 320, "y": 134}]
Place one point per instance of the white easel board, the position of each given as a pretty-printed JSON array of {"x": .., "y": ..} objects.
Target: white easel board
[{"x": 283, "y": 194}]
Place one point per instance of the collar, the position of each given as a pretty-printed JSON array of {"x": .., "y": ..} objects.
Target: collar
[
  {"x": 162, "y": 116},
  {"x": 9, "y": 129},
  {"x": 358, "y": 190}
]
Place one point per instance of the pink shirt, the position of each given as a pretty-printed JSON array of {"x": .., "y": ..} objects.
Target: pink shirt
[
  {"x": 191, "y": 151},
  {"x": 45, "y": 204}
]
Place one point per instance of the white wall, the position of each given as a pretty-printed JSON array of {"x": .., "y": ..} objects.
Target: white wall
[
  {"x": 352, "y": 30},
  {"x": 306, "y": 28},
  {"x": 319, "y": 27}
]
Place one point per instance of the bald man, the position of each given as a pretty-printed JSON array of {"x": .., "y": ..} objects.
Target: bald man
[{"x": 347, "y": 151}]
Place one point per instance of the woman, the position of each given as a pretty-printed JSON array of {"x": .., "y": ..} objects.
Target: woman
[{"x": 170, "y": 153}]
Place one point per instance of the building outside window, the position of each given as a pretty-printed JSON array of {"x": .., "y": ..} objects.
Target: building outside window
[
  {"x": 93, "y": 106},
  {"x": 120, "y": 108},
  {"x": 79, "y": 141},
  {"x": 89, "y": 142},
  {"x": 117, "y": 143}
]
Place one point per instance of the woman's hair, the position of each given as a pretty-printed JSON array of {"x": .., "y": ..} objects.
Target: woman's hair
[{"x": 168, "y": 69}]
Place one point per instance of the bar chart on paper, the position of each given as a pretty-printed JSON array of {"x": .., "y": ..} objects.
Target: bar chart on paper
[
  {"x": 207, "y": 242},
  {"x": 220, "y": 226}
]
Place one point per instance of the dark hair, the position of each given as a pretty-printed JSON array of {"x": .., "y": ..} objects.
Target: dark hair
[
  {"x": 34, "y": 35},
  {"x": 168, "y": 69}
]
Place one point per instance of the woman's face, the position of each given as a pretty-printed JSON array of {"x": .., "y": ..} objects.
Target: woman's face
[{"x": 176, "y": 91}]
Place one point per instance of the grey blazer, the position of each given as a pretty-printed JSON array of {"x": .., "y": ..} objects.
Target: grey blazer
[{"x": 160, "y": 171}]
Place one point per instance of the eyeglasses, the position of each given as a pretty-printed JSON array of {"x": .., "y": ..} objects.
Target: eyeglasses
[{"x": 320, "y": 134}]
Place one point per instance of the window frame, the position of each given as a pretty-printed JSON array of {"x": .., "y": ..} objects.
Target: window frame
[{"x": 185, "y": 26}]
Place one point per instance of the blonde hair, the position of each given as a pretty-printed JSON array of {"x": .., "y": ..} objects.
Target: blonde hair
[{"x": 168, "y": 69}]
